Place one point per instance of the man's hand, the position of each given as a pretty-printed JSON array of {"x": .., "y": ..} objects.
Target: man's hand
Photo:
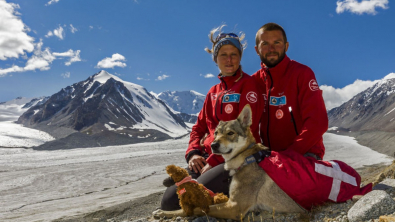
[
  {"x": 197, "y": 163},
  {"x": 206, "y": 168}
]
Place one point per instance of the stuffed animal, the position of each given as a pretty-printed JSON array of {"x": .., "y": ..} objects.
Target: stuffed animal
[{"x": 191, "y": 193}]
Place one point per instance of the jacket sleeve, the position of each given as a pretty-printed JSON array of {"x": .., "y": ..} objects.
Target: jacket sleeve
[
  {"x": 198, "y": 132},
  {"x": 313, "y": 113}
]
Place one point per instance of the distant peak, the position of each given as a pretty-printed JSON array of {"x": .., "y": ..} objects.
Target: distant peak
[
  {"x": 389, "y": 76},
  {"x": 103, "y": 76},
  {"x": 196, "y": 93}
]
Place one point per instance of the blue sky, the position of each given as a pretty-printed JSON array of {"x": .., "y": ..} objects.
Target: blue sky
[{"x": 49, "y": 44}]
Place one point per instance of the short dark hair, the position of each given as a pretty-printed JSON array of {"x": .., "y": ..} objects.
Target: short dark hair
[{"x": 271, "y": 27}]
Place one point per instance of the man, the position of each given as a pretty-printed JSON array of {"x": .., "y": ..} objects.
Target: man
[{"x": 294, "y": 116}]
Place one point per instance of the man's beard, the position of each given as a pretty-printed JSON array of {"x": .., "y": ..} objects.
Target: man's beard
[{"x": 272, "y": 63}]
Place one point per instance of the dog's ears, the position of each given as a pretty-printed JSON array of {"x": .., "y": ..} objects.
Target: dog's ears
[{"x": 245, "y": 116}]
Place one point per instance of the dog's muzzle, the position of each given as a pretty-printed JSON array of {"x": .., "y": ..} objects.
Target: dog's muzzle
[{"x": 215, "y": 147}]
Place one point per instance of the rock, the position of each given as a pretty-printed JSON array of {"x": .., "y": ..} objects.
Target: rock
[
  {"x": 372, "y": 206},
  {"x": 386, "y": 184}
]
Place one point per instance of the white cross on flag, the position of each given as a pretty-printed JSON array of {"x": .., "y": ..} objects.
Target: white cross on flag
[{"x": 338, "y": 177}]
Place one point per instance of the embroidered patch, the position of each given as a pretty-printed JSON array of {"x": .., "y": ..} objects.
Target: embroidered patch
[
  {"x": 213, "y": 96},
  {"x": 229, "y": 108},
  {"x": 279, "y": 114},
  {"x": 182, "y": 191},
  {"x": 313, "y": 85},
  {"x": 252, "y": 97},
  {"x": 277, "y": 101},
  {"x": 231, "y": 98}
]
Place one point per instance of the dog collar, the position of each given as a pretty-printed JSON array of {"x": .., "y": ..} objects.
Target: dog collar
[{"x": 254, "y": 158}]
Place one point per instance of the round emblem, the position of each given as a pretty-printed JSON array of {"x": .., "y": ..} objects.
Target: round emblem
[
  {"x": 279, "y": 114},
  {"x": 229, "y": 108},
  {"x": 226, "y": 98},
  {"x": 252, "y": 97},
  {"x": 313, "y": 85}
]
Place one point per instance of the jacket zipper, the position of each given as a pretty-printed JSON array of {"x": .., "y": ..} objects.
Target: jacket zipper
[
  {"x": 293, "y": 121},
  {"x": 268, "y": 107}
]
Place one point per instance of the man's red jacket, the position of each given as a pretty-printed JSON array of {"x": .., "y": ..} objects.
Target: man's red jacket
[
  {"x": 292, "y": 85},
  {"x": 310, "y": 182},
  {"x": 224, "y": 102}
]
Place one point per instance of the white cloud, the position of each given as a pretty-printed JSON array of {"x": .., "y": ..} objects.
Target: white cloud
[
  {"x": 162, "y": 77},
  {"x": 59, "y": 32},
  {"x": 51, "y": 2},
  {"x": 39, "y": 60},
  {"x": 90, "y": 27},
  {"x": 365, "y": 6},
  {"x": 49, "y": 34},
  {"x": 209, "y": 75},
  {"x": 73, "y": 29},
  {"x": 74, "y": 56},
  {"x": 115, "y": 60},
  {"x": 65, "y": 75},
  {"x": 14, "y": 40},
  {"x": 334, "y": 97},
  {"x": 42, "y": 59}
]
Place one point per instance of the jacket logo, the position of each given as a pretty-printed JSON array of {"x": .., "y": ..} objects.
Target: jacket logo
[
  {"x": 252, "y": 97},
  {"x": 313, "y": 85},
  {"x": 231, "y": 98},
  {"x": 213, "y": 96},
  {"x": 279, "y": 114},
  {"x": 278, "y": 101},
  {"x": 229, "y": 108}
]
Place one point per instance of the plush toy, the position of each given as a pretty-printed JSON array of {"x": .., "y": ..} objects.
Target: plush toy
[{"x": 191, "y": 193}]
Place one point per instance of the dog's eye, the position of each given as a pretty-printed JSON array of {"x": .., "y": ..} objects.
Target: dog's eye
[
  {"x": 231, "y": 133},
  {"x": 215, "y": 133}
]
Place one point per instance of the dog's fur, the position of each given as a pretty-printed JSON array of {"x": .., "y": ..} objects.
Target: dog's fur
[
  {"x": 251, "y": 188},
  {"x": 195, "y": 194}
]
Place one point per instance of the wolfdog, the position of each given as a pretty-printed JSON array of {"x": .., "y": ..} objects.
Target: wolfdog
[{"x": 251, "y": 188}]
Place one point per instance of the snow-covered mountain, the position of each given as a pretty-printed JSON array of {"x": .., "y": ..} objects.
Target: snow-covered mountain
[
  {"x": 106, "y": 106},
  {"x": 11, "y": 110},
  {"x": 189, "y": 102},
  {"x": 369, "y": 116},
  {"x": 372, "y": 109}
]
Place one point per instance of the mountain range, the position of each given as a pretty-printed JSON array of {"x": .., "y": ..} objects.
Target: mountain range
[
  {"x": 369, "y": 116},
  {"x": 103, "y": 110}
]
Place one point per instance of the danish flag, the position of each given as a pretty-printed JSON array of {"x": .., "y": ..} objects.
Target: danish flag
[{"x": 310, "y": 182}]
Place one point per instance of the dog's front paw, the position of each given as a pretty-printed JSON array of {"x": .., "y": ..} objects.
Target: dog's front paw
[{"x": 158, "y": 214}]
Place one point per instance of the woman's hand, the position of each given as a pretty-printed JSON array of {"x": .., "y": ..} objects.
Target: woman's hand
[
  {"x": 197, "y": 163},
  {"x": 206, "y": 168}
]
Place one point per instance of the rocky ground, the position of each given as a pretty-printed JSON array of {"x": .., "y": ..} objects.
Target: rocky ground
[{"x": 140, "y": 210}]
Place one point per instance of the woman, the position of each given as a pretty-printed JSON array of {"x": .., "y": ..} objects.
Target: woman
[{"x": 223, "y": 102}]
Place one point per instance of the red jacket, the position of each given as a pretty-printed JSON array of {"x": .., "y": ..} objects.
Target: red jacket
[
  {"x": 291, "y": 84},
  {"x": 310, "y": 182},
  {"x": 224, "y": 102}
]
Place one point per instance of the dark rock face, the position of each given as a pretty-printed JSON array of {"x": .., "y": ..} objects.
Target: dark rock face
[
  {"x": 372, "y": 109},
  {"x": 369, "y": 117},
  {"x": 90, "y": 106}
]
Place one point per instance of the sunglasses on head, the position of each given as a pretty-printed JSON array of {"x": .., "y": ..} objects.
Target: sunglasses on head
[{"x": 226, "y": 35}]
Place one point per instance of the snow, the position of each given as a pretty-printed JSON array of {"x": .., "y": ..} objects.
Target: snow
[
  {"x": 161, "y": 121},
  {"x": 333, "y": 128},
  {"x": 347, "y": 149},
  {"x": 390, "y": 111},
  {"x": 47, "y": 185},
  {"x": 11, "y": 110},
  {"x": 15, "y": 135}
]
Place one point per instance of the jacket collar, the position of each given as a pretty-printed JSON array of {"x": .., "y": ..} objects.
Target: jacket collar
[
  {"x": 229, "y": 81},
  {"x": 280, "y": 69}
]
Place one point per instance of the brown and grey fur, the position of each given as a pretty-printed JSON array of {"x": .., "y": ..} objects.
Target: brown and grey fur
[{"x": 251, "y": 188}]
